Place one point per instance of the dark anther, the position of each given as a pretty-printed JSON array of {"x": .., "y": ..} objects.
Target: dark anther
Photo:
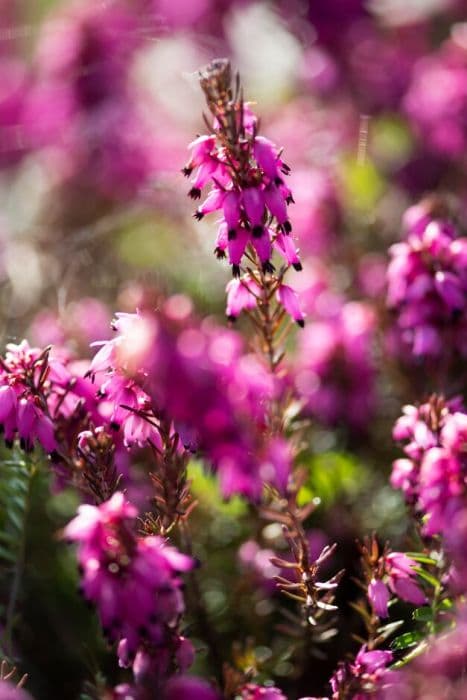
[
  {"x": 236, "y": 270},
  {"x": 257, "y": 231},
  {"x": 297, "y": 266},
  {"x": 268, "y": 266},
  {"x": 301, "y": 323},
  {"x": 287, "y": 226},
  {"x": 198, "y": 215},
  {"x": 187, "y": 170},
  {"x": 232, "y": 234},
  {"x": 194, "y": 193}
]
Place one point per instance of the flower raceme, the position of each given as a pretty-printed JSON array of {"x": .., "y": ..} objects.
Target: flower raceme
[
  {"x": 246, "y": 174},
  {"x": 135, "y": 584},
  {"x": 198, "y": 377},
  {"x": 432, "y": 475},
  {"x": 427, "y": 286}
]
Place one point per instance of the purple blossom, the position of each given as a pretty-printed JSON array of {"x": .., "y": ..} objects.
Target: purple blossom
[
  {"x": 199, "y": 377},
  {"x": 135, "y": 584},
  {"x": 256, "y": 692},
  {"x": 432, "y": 475},
  {"x": 427, "y": 288},
  {"x": 398, "y": 577},
  {"x": 246, "y": 174}
]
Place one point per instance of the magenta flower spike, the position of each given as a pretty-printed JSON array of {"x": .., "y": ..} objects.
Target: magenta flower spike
[
  {"x": 289, "y": 299},
  {"x": 134, "y": 582},
  {"x": 246, "y": 175}
]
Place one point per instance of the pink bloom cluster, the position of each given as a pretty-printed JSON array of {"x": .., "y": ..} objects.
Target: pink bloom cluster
[
  {"x": 432, "y": 476},
  {"x": 335, "y": 371},
  {"x": 247, "y": 186},
  {"x": 398, "y": 577},
  {"x": 440, "y": 115},
  {"x": 427, "y": 286},
  {"x": 135, "y": 584},
  {"x": 365, "y": 677},
  {"x": 131, "y": 407},
  {"x": 199, "y": 378},
  {"x": 23, "y": 411}
]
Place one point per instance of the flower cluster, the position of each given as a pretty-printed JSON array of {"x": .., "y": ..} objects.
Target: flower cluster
[
  {"x": 335, "y": 370},
  {"x": 363, "y": 678},
  {"x": 135, "y": 584},
  {"x": 251, "y": 691},
  {"x": 432, "y": 475},
  {"x": 440, "y": 116},
  {"x": 246, "y": 173},
  {"x": 427, "y": 287},
  {"x": 217, "y": 397},
  {"x": 23, "y": 410},
  {"x": 132, "y": 410}
]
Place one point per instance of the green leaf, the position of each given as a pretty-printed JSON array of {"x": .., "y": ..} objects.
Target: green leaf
[
  {"x": 421, "y": 558},
  {"x": 406, "y": 640},
  {"x": 429, "y": 578},
  {"x": 419, "y": 649},
  {"x": 424, "y": 614}
]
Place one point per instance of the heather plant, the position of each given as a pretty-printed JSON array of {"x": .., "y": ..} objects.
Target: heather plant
[{"x": 196, "y": 497}]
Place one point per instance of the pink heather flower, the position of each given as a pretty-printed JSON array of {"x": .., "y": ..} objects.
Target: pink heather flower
[
  {"x": 427, "y": 288},
  {"x": 400, "y": 578},
  {"x": 364, "y": 677},
  {"x": 247, "y": 189},
  {"x": 289, "y": 299},
  {"x": 285, "y": 245},
  {"x": 242, "y": 294},
  {"x": 253, "y": 201},
  {"x": 231, "y": 209},
  {"x": 23, "y": 409},
  {"x": 372, "y": 661},
  {"x": 432, "y": 476},
  {"x": 201, "y": 149},
  {"x": 133, "y": 581},
  {"x": 213, "y": 202},
  {"x": 275, "y": 202},
  {"x": 400, "y": 569},
  {"x": 256, "y": 692},
  {"x": 236, "y": 248},
  {"x": 216, "y": 396},
  {"x": 265, "y": 153},
  {"x": 378, "y": 596}
]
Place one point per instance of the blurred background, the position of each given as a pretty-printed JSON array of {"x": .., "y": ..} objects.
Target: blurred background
[{"x": 98, "y": 102}]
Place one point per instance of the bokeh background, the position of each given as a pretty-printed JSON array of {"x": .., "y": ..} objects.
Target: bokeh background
[{"x": 98, "y": 102}]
